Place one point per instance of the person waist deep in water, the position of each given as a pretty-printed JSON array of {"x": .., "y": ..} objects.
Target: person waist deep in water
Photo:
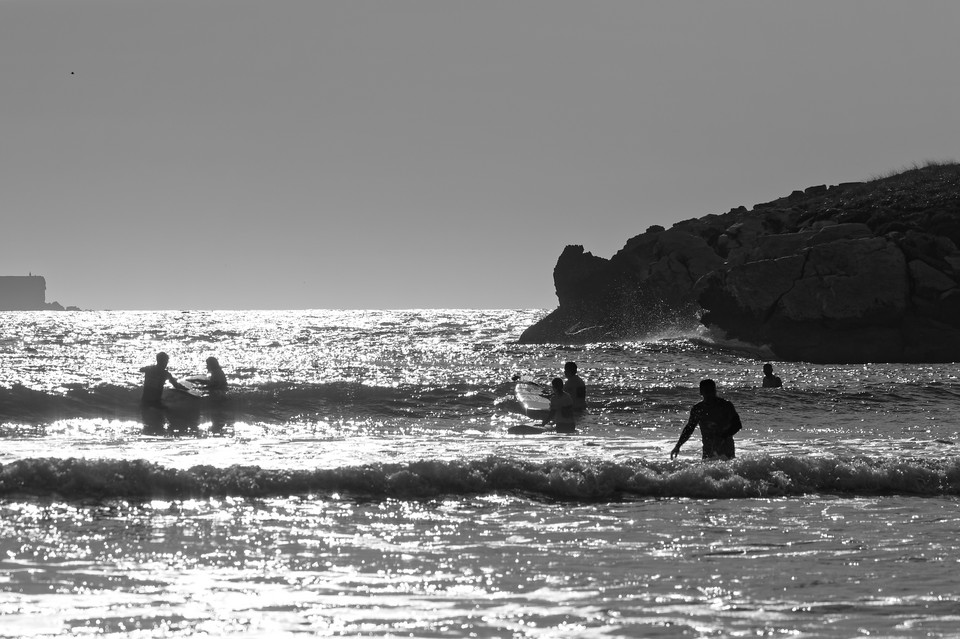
[
  {"x": 575, "y": 386},
  {"x": 718, "y": 421},
  {"x": 154, "y": 378},
  {"x": 769, "y": 379},
  {"x": 561, "y": 409},
  {"x": 217, "y": 381}
]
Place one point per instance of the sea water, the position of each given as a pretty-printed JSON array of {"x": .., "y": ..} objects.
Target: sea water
[{"x": 359, "y": 480}]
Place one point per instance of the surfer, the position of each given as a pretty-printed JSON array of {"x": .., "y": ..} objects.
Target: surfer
[
  {"x": 718, "y": 421},
  {"x": 154, "y": 377},
  {"x": 561, "y": 409},
  {"x": 151, "y": 400},
  {"x": 217, "y": 404},
  {"x": 575, "y": 386},
  {"x": 769, "y": 379},
  {"x": 217, "y": 381}
]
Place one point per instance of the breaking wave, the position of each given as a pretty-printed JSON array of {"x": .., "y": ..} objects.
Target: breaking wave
[
  {"x": 271, "y": 402},
  {"x": 749, "y": 477}
]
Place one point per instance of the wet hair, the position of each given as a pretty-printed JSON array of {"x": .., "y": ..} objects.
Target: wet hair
[
  {"x": 557, "y": 384},
  {"x": 708, "y": 387},
  {"x": 161, "y": 356},
  {"x": 570, "y": 367},
  {"x": 212, "y": 360},
  {"x": 768, "y": 368}
]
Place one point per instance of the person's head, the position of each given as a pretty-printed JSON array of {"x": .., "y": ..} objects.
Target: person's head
[
  {"x": 768, "y": 369},
  {"x": 708, "y": 388},
  {"x": 570, "y": 369},
  {"x": 557, "y": 384},
  {"x": 212, "y": 364},
  {"x": 162, "y": 359}
]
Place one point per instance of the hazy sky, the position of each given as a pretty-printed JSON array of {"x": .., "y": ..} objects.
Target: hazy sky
[{"x": 167, "y": 154}]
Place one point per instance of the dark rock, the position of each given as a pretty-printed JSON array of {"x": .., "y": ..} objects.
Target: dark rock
[
  {"x": 858, "y": 272},
  {"x": 25, "y": 293}
]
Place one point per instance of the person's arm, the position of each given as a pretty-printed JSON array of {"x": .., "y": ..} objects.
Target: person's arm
[
  {"x": 173, "y": 382},
  {"x": 685, "y": 434},
  {"x": 735, "y": 423}
]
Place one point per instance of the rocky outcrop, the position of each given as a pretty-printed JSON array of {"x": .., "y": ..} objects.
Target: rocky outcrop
[
  {"x": 26, "y": 293},
  {"x": 22, "y": 293},
  {"x": 859, "y": 272}
]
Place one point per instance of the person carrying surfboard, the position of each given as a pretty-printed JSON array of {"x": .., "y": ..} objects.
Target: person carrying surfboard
[
  {"x": 561, "y": 409},
  {"x": 718, "y": 421}
]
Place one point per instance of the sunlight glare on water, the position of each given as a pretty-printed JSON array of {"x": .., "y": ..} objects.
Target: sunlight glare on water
[{"x": 360, "y": 479}]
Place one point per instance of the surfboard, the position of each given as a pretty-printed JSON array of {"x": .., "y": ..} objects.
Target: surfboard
[
  {"x": 531, "y": 397},
  {"x": 189, "y": 389}
]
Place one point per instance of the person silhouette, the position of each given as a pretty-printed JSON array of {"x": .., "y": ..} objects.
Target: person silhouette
[
  {"x": 575, "y": 386},
  {"x": 718, "y": 421},
  {"x": 154, "y": 377},
  {"x": 769, "y": 379},
  {"x": 561, "y": 409},
  {"x": 217, "y": 381},
  {"x": 217, "y": 401},
  {"x": 152, "y": 408}
]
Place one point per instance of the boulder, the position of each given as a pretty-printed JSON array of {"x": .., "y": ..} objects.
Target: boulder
[{"x": 858, "y": 272}]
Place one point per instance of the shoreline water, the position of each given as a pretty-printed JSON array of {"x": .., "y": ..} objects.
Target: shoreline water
[{"x": 366, "y": 485}]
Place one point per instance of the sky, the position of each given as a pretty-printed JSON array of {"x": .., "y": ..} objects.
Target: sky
[{"x": 352, "y": 154}]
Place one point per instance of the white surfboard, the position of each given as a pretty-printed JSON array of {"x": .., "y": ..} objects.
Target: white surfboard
[{"x": 531, "y": 397}]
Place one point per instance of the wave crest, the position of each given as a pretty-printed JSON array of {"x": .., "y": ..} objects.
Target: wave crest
[{"x": 763, "y": 476}]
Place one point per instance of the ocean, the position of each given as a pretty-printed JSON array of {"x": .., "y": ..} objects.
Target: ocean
[{"x": 359, "y": 480}]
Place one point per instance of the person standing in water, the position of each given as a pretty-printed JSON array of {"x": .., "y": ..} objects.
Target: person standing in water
[
  {"x": 217, "y": 381},
  {"x": 218, "y": 403},
  {"x": 561, "y": 409},
  {"x": 769, "y": 379},
  {"x": 152, "y": 409},
  {"x": 718, "y": 421},
  {"x": 575, "y": 386},
  {"x": 154, "y": 377}
]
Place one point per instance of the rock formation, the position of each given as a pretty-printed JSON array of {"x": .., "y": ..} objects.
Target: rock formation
[
  {"x": 858, "y": 272},
  {"x": 26, "y": 293}
]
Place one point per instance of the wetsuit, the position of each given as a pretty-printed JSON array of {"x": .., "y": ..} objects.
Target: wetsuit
[
  {"x": 772, "y": 381},
  {"x": 154, "y": 378},
  {"x": 718, "y": 421}
]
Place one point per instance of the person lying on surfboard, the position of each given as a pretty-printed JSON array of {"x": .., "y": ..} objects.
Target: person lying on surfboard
[{"x": 561, "y": 409}]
